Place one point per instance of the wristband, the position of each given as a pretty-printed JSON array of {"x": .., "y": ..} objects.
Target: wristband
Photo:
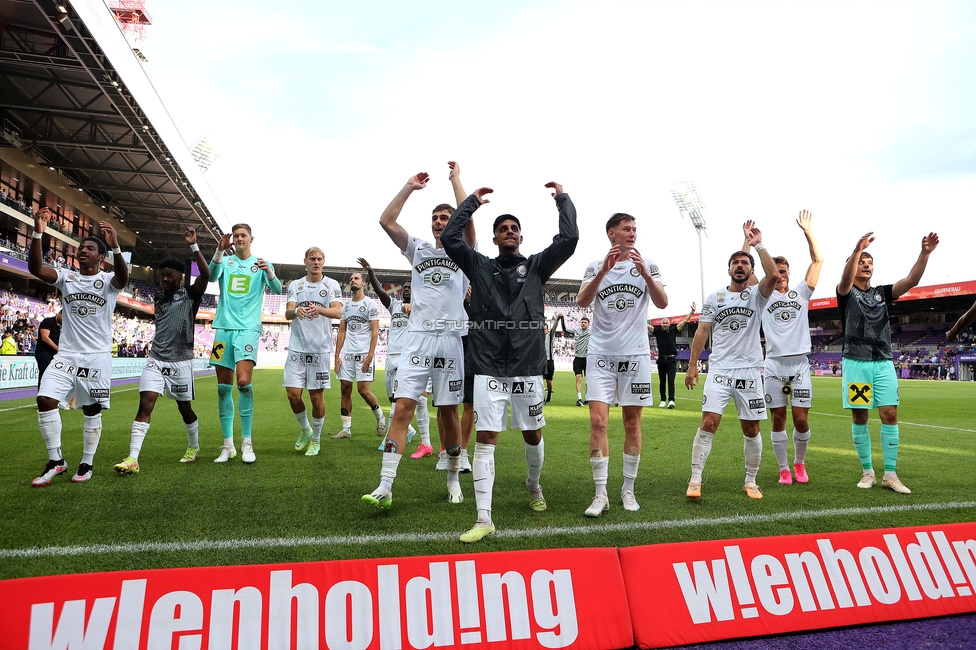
[
  {"x": 116, "y": 251},
  {"x": 759, "y": 247},
  {"x": 218, "y": 256},
  {"x": 38, "y": 235},
  {"x": 195, "y": 248}
]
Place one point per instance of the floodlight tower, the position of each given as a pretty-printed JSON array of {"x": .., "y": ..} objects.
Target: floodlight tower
[{"x": 690, "y": 205}]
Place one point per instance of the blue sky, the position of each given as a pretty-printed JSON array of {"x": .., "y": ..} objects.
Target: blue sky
[{"x": 862, "y": 112}]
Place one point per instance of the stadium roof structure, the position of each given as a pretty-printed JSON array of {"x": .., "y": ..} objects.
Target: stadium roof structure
[{"x": 75, "y": 99}]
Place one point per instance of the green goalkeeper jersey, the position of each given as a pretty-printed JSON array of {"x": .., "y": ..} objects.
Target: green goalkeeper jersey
[{"x": 242, "y": 286}]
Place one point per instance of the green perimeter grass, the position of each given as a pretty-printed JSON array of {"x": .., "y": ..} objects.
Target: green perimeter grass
[{"x": 289, "y": 496}]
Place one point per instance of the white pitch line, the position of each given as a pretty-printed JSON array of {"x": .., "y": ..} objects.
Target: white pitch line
[
  {"x": 347, "y": 540},
  {"x": 911, "y": 424}
]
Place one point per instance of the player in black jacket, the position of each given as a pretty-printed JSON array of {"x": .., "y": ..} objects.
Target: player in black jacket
[{"x": 506, "y": 341}]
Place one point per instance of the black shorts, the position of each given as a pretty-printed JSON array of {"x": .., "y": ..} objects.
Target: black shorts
[
  {"x": 550, "y": 370},
  {"x": 468, "y": 396},
  {"x": 579, "y": 366}
]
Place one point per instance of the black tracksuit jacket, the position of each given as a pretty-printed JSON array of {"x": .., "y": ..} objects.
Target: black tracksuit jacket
[{"x": 506, "y": 337}]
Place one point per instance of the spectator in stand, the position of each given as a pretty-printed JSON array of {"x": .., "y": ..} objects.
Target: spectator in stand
[{"x": 9, "y": 345}]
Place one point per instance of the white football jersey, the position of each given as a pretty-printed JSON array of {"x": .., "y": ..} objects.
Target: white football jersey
[
  {"x": 88, "y": 302},
  {"x": 398, "y": 327},
  {"x": 735, "y": 319},
  {"x": 358, "y": 317},
  {"x": 438, "y": 287},
  {"x": 313, "y": 333},
  {"x": 619, "y": 326},
  {"x": 786, "y": 322}
]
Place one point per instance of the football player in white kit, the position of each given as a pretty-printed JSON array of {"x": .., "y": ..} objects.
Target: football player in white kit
[
  {"x": 399, "y": 309},
  {"x": 312, "y": 303},
  {"x": 733, "y": 315},
  {"x": 359, "y": 329},
  {"x": 618, "y": 362},
  {"x": 83, "y": 363},
  {"x": 433, "y": 346},
  {"x": 786, "y": 372}
]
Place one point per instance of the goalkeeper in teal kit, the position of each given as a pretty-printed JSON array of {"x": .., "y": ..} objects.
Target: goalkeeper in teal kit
[{"x": 237, "y": 326}]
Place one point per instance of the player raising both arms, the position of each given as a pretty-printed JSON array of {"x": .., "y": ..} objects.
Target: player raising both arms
[
  {"x": 83, "y": 364},
  {"x": 170, "y": 366},
  {"x": 433, "y": 346}
]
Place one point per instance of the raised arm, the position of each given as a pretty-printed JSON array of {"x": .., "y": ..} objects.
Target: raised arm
[
  {"x": 768, "y": 283},
  {"x": 200, "y": 284},
  {"x": 654, "y": 286},
  {"x": 900, "y": 288},
  {"x": 564, "y": 242},
  {"x": 35, "y": 257},
  {"x": 373, "y": 280},
  {"x": 452, "y": 237},
  {"x": 388, "y": 220},
  {"x": 684, "y": 321},
  {"x": 964, "y": 321},
  {"x": 121, "y": 277},
  {"x": 850, "y": 267},
  {"x": 588, "y": 290},
  {"x": 805, "y": 222},
  {"x": 746, "y": 230},
  {"x": 470, "y": 236},
  {"x": 215, "y": 266}
]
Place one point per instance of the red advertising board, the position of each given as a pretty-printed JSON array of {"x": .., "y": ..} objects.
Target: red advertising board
[
  {"x": 704, "y": 591},
  {"x": 564, "y": 598}
]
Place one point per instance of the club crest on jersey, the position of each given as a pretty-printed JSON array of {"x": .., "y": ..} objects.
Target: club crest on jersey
[
  {"x": 744, "y": 295},
  {"x": 877, "y": 297},
  {"x": 522, "y": 270},
  {"x": 323, "y": 293},
  {"x": 634, "y": 272},
  {"x": 436, "y": 278},
  {"x": 620, "y": 304},
  {"x": 98, "y": 284},
  {"x": 83, "y": 311},
  {"x": 792, "y": 295},
  {"x": 254, "y": 268}
]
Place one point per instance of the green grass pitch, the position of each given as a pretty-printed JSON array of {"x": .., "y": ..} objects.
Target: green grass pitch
[{"x": 287, "y": 507}]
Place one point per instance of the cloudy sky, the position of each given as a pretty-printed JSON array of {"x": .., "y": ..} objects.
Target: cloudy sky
[{"x": 862, "y": 112}]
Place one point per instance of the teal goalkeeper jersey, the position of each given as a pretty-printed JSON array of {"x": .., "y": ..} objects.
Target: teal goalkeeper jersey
[{"x": 242, "y": 286}]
